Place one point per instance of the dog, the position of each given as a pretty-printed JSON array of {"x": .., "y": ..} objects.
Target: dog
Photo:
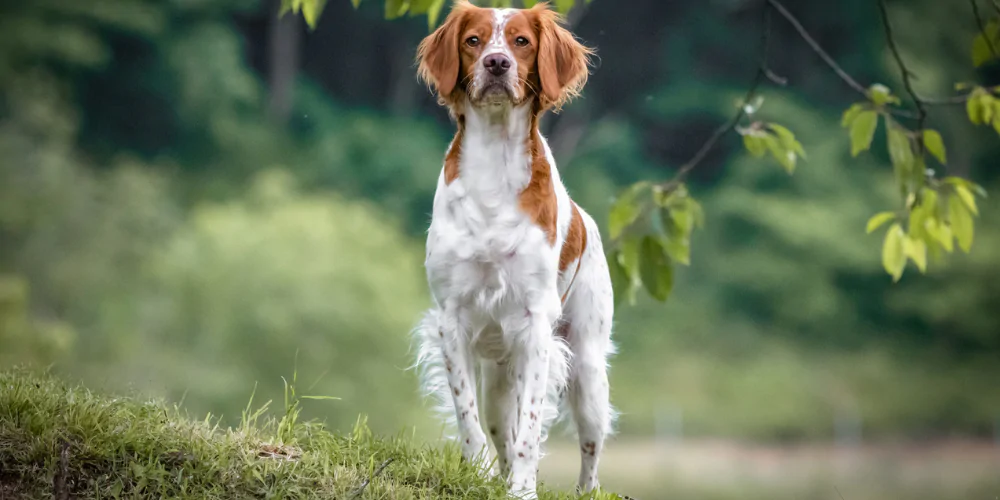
[{"x": 522, "y": 292}]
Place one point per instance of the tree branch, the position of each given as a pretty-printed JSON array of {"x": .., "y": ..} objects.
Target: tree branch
[
  {"x": 982, "y": 27},
  {"x": 763, "y": 72},
  {"x": 907, "y": 74},
  {"x": 815, "y": 46}
]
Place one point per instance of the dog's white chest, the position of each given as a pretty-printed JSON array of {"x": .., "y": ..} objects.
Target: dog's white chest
[{"x": 483, "y": 250}]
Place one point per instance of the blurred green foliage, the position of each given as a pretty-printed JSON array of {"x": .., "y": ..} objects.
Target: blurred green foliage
[
  {"x": 312, "y": 9},
  {"x": 160, "y": 229}
]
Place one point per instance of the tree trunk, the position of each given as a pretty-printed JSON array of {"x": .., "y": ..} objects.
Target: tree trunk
[{"x": 284, "y": 38}]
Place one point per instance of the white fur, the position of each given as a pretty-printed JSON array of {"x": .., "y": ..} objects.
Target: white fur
[{"x": 497, "y": 287}]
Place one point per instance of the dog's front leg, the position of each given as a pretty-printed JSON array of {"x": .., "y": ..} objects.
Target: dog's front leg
[
  {"x": 460, "y": 367},
  {"x": 530, "y": 373}
]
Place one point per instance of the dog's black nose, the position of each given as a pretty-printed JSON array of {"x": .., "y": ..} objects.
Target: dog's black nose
[{"x": 497, "y": 64}]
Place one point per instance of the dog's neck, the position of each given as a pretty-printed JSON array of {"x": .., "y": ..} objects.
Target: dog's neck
[
  {"x": 497, "y": 145},
  {"x": 499, "y": 124}
]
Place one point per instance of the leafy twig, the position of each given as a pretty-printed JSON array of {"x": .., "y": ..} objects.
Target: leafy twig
[
  {"x": 763, "y": 72},
  {"x": 982, "y": 27},
  {"x": 907, "y": 74},
  {"x": 851, "y": 82},
  {"x": 361, "y": 489}
]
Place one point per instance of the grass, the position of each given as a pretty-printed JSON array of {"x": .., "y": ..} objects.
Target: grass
[{"x": 60, "y": 441}]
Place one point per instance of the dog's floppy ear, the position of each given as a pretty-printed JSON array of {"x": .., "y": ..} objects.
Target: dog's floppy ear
[
  {"x": 562, "y": 60},
  {"x": 438, "y": 55}
]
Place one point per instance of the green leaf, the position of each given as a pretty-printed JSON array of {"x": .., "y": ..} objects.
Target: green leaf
[
  {"x": 985, "y": 43},
  {"x": 680, "y": 222},
  {"x": 418, "y": 7},
  {"x": 961, "y": 223},
  {"x": 788, "y": 139},
  {"x": 657, "y": 273},
  {"x": 529, "y": 3},
  {"x": 697, "y": 213},
  {"x": 917, "y": 217},
  {"x": 679, "y": 250},
  {"x": 987, "y": 105},
  {"x": 935, "y": 145},
  {"x": 973, "y": 107},
  {"x": 878, "y": 220},
  {"x": 433, "y": 13},
  {"x": 941, "y": 234},
  {"x": 971, "y": 186},
  {"x": 620, "y": 281},
  {"x": 929, "y": 202},
  {"x": 563, "y": 6},
  {"x": 893, "y": 252},
  {"x": 863, "y": 131},
  {"x": 630, "y": 257},
  {"x": 625, "y": 210},
  {"x": 967, "y": 198},
  {"x": 754, "y": 144},
  {"x": 850, "y": 114},
  {"x": 784, "y": 156},
  {"x": 900, "y": 147},
  {"x": 396, "y": 8},
  {"x": 311, "y": 10},
  {"x": 880, "y": 95},
  {"x": 916, "y": 250}
]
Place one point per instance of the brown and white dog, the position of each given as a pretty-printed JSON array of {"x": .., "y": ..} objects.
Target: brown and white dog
[{"x": 517, "y": 270}]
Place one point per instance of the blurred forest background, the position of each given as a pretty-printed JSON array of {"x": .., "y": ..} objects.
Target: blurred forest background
[{"x": 196, "y": 197}]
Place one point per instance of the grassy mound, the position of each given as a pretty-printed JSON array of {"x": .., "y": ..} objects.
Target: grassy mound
[{"x": 65, "y": 442}]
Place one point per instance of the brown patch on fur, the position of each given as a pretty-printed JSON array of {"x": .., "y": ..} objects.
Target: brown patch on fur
[
  {"x": 573, "y": 247},
  {"x": 562, "y": 60},
  {"x": 538, "y": 199},
  {"x": 445, "y": 59},
  {"x": 440, "y": 54},
  {"x": 576, "y": 240},
  {"x": 454, "y": 155}
]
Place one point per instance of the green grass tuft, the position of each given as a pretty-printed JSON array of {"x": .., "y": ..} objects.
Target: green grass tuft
[{"x": 67, "y": 442}]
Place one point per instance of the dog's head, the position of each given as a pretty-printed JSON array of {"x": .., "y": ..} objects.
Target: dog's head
[{"x": 498, "y": 57}]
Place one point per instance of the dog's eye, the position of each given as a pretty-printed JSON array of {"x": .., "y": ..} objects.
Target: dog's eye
[
  {"x": 472, "y": 41},
  {"x": 521, "y": 41}
]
